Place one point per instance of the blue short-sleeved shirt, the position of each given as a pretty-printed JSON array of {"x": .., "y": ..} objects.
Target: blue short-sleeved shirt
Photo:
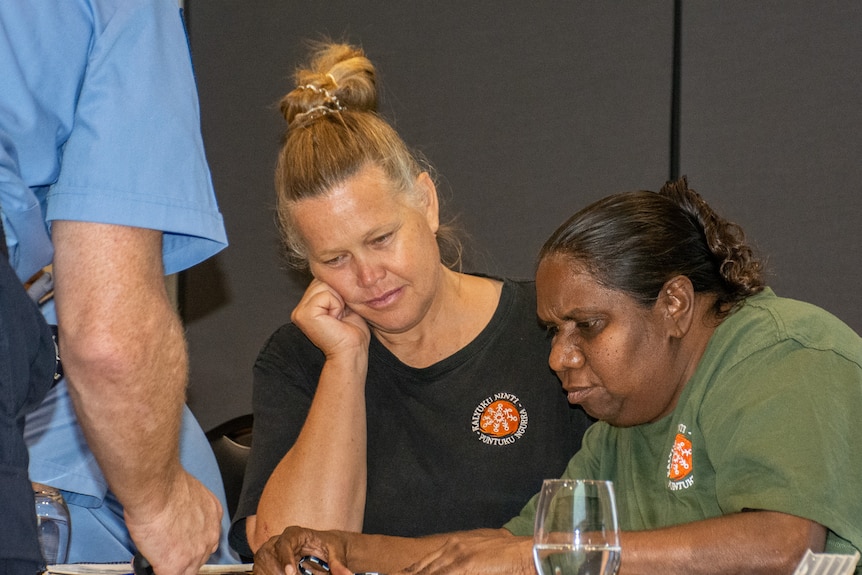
[
  {"x": 107, "y": 90},
  {"x": 99, "y": 122}
]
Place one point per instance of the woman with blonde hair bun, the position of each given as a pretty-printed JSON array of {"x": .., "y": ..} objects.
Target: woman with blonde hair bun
[
  {"x": 727, "y": 416},
  {"x": 405, "y": 396}
]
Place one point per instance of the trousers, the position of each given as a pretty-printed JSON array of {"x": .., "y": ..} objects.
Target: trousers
[{"x": 27, "y": 362}]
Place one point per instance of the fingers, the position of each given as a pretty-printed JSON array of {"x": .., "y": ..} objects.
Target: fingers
[
  {"x": 319, "y": 298},
  {"x": 324, "y": 317},
  {"x": 337, "y": 568},
  {"x": 281, "y": 554},
  {"x": 184, "y": 534},
  {"x": 269, "y": 561}
]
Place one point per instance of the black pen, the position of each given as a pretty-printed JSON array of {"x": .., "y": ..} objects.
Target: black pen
[
  {"x": 141, "y": 566},
  {"x": 323, "y": 565}
]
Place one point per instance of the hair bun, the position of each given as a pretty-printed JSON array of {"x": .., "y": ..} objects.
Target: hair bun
[{"x": 339, "y": 77}]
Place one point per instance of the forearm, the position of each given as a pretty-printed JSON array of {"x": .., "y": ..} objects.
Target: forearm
[
  {"x": 320, "y": 483},
  {"x": 124, "y": 355},
  {"x": 750, "y": 542},
  {"x": 483, "y": 551},
  {"x": 388, "y": 554},
  {"x": 476, "y": 552}
]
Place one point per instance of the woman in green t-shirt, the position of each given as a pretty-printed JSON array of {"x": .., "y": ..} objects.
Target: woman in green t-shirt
[{"x": 728, "y": 417}]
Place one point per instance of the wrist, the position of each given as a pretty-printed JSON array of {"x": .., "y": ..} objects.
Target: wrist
[
  {"x": 349, "y": 366},
  {"x": 156, "y": 495}
]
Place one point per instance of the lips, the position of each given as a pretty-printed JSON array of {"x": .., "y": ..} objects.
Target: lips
[
  {"x": 578, "y": 394},
  {"x": 383, "y": 300}
]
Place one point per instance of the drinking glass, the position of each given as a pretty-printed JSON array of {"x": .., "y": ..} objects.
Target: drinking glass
[
  {"x": 576, "y": 531},
  {"x": 53, "y": 523}
]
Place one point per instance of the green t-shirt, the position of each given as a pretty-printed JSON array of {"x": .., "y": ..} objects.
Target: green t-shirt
[{"x": 771, "y": 419}]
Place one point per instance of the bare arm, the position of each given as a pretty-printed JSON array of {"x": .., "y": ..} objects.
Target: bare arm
[
  {"x": 750, "y": 542},
  {"x": 482, "y": 551},
  {"x": 320, "y": 483},
  {"x": 124, "y": 355}
]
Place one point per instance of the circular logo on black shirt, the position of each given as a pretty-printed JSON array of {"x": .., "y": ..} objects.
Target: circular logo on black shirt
[{"x": 500, "y": 419}]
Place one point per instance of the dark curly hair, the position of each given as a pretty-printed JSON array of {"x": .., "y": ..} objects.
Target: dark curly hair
[{"x": 634, "y": 242}]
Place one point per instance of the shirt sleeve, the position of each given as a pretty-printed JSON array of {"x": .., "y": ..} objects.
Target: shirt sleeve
[
  {"x": 788, "y": 430},
  {"x": 135, "y": 156},
  {"x": 285, "y": 378},
  {"x": 583, "y": 465}
]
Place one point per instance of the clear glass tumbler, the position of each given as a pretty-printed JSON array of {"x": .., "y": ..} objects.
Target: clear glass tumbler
[{"x": 54, "y": 524}]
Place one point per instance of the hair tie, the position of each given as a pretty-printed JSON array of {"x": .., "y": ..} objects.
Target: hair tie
[
  {"x": 328, "y": 99},
  {"x": 312, "y": 114}
]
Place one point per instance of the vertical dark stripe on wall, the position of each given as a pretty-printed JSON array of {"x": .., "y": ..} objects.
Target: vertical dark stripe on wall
[{"x": 675, "y": 90}]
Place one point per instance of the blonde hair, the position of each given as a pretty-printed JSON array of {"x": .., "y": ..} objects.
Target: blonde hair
[{"x": 333, "y": 131}]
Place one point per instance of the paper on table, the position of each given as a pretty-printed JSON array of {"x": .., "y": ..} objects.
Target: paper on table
[
  {"x": 126, "y": 569},
  {"x": 827, "y": 564}
]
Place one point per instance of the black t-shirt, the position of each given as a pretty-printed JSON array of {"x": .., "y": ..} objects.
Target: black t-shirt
[{"x": 461, "y": 444}]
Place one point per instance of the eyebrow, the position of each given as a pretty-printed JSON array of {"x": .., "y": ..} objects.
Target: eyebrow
[
  {"x": 574, "y": 314},
  {"x": 377, "y": 231}
]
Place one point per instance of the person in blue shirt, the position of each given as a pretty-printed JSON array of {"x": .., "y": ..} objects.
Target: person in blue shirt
[{"x": 103, "y": 176}]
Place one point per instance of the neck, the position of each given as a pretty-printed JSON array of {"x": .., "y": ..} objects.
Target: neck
[
  {"x": 693, "y": 345},
  {"x": 462, "y": 307}
]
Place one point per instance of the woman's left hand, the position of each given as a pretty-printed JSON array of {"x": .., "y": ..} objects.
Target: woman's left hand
[
  {"x": 281, "y": 554},
  {"x": 480, "y": 552}
]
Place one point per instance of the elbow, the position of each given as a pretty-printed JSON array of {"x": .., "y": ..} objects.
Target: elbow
[
  {"x": 91, "y": 351},
  {"x": 782, "y": 561},
  {"x": 254, "y": 536},
  {"x": 104, "y": 356},
  {"x": 787, "y": 550}
]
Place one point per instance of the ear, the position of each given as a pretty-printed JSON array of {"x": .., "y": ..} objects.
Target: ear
[
  {"x": 428, "y": 191},
  {"x": 676, "y": 305}
]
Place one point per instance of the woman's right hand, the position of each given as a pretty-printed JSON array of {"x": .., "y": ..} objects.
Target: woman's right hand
[
  {"x": 333, "y": 495},
  {"x": 328, "y": 322}
]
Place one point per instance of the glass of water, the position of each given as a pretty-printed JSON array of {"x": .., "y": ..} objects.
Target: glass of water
[
  {"x": 576, "y": 531},
  {"x": 53, "y": 523}
]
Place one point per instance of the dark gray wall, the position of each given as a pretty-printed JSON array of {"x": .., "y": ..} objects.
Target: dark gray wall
[
  {"x": 529, "y": 112},
  {"x": 771, "y": 133}
]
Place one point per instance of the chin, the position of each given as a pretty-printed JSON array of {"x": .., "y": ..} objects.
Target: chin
[
  {"x": 611, "y": 418},
  {"x": 393, "y": 326}
]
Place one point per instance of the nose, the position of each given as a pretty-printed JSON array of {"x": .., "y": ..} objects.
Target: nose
[
  {"x": 564, "y": 356},
  {"x": 368, "y": 271}
]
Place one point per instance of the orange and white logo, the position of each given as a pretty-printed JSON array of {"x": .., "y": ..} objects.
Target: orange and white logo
[
  {"x": 680, "y": 467},
  {"x": 500, "y": 419}
]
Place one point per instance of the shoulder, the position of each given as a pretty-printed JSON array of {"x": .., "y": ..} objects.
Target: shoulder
[
  {"x": 520, "y": 293},
  {"x": 776, "y": 347},
  {"x": 516, "y": 312},
  {"x": 766, "y": 321},
  {"x": 521, "y": 286},
  {"x": 287, "y": 335},
  {"x": 287, "y": 345}
]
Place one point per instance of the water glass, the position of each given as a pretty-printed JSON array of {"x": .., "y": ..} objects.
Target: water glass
[
  {"x": 576, "y": 530},
  {"x": 53, "y": 522}
]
